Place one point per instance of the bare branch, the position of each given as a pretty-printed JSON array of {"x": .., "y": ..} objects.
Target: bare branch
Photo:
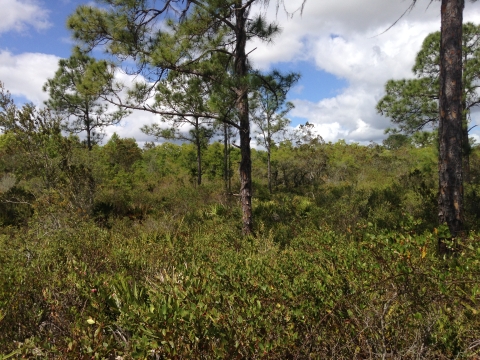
[{"x": 409, "y": 9}]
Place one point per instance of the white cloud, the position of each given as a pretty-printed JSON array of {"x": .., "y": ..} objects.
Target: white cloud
[
  {"x": 350, "y": 115},
  {"x": 348, "y": 39},
  {"x": 18, "y": 15},
  {"x": 331, "y": 132},
  {"x": 25, "y": 74},
  {"x": 341, "y": 37},
  {"x": 130, "y": 127}
]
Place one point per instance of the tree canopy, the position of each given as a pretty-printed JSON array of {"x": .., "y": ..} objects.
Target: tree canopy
[
  {"x": 206, "y": 38},
  {"x": 77, "y": 93},
  {"x": 269, "y": 109},
  {"x": 412, "y": 104}
]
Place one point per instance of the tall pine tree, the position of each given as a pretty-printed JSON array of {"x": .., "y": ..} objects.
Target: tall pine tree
[
  {"x": 76, "y": 93},
  {"x": 412, "y": 104},
  {"x": 450, "y": 131},
  {"x": 206, "y": 38}
]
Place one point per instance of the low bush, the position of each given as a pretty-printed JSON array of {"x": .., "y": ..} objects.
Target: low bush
[
  {"x": 137, "y": 262},
  {"x": 145, "y": 290}
]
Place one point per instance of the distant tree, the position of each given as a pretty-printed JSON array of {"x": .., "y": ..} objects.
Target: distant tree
[
  {"x": 208, "y": 39},
  {"x": 37, "y": 138},
  {"x": 305, "y": 134},
  {"x": 396, "y": 141},
  {"x": 413, "y": 104},
  {"x": 269, "y": 110},
  {"x": 41, "y": 156},
  {"x": 296, "y": 165},
  {"x": 184, "y": 94},
  {"x": 76, "y": 93},
  {"x": 122, "y": 153}
]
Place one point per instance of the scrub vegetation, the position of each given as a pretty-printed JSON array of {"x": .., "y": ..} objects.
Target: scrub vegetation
[
  {"x": 316, "y": 251},
  {"x": 117, "y": 253}
]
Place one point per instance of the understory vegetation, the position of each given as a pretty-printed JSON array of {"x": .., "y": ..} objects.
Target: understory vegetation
[{"x": 116, "y": 253}]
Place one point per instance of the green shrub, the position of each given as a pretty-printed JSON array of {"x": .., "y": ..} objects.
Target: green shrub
[{"x": 342, "y": 266}]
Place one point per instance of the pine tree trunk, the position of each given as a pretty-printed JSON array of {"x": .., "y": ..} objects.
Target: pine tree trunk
[
  {"x": 229, "y": 163},
  {"x": 450, "y": 201},
  {"x": 244, "y": 121},
  {"x": 91, "y": 179},
  {"x": 198, "y": 145},
  {"x": 89, "y": 138},
  {"x": 88, "y": 128},
  {"x": 269, "y": 156},
  {"x": 225, "y": 158},
  {"x": 269, "y": 167}
]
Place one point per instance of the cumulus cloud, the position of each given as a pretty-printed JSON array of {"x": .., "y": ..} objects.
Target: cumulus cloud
[
  {"x": 366, "y": 63},
  {"x": 18, "y": 15},
  {"x": 348, "y": 39},
  {"x": 130, "y": 127},
  {"x": 343, "y": 37},
  {"x": 25, "y": 74},
  {"x": 350, "y": 116}
]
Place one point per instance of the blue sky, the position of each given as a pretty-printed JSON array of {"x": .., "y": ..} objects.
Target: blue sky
[
  {"x": 55, "y": 39},
  {"x": 334, "y": 45},
  {"x": 314, "y": 84}
]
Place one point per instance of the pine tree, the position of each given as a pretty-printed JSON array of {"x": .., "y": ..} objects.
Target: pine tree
[
  {"x": 76, "y": 93},
  {"x": 412, "y": 104},
  {"x": 450, "y": 130},
  {"x": 206, "y": 38},
  {"x": 269, "y": 110},
  {"x": 183, "y": 93}
]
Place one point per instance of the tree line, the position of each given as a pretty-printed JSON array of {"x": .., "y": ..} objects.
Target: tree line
[{"x": 192, "y": 61}]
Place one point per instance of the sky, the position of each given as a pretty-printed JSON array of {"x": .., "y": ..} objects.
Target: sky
[{"x": 340, "y": 48}]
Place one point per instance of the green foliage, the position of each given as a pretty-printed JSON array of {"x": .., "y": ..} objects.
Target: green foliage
[
  {"x": 269, "y": 107},
  {"x": 142, "y": 290},
  {"x": 195, "y": 54},
  {"x": 38, "y": 161},
  {"x": 294, "y": 167},
  {"x": 187, "y": 96},
  {"x": 76, "y": 93},
  {"x": 146, "y": 264},
  {"x": 412, "y": 104}
]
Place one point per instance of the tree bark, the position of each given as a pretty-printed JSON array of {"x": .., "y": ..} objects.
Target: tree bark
[
  {"x": 225, "y": 158},
  {"x": 240, "y": 68},
  {"x": 88, "y": 128},
  {"x": 450, "y": 200},
  {"x": 89, "y": 139},
  {"x": 198, "y": 145},
  {"x": 466, "y": 149},
  {"x": 269, "y": 166}
]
